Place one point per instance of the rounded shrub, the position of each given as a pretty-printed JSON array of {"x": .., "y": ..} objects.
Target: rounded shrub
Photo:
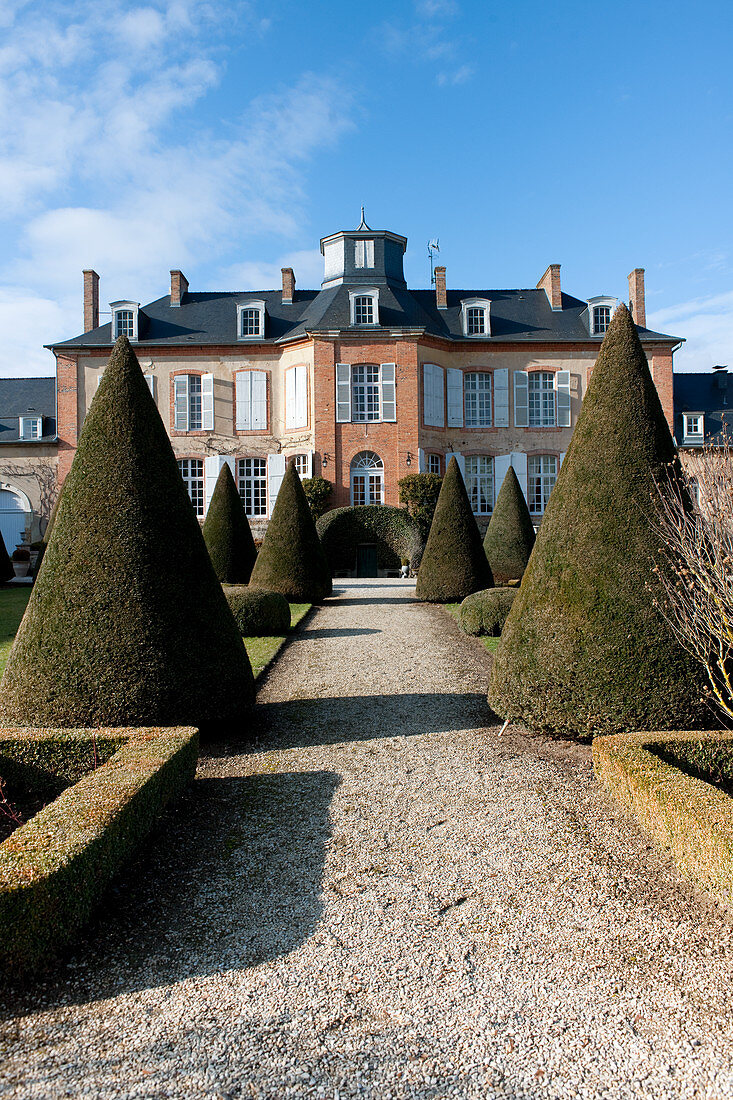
[
  {"x": 395, "y": 533},
  {"x": 454, "y": 563},
  {"x": 510, "y": 536},
  {"x": 484, "y": 613},
  {"x": 291, "y": 560},
  {"x": 227, "y": 532},
  {"x": 127, "y": 624},
  {"x": 585, "y": 649},
  {"x": 257, "y": 612}
]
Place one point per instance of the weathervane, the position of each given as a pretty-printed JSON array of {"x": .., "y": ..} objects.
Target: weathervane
[{"x": 433, "y": 247}]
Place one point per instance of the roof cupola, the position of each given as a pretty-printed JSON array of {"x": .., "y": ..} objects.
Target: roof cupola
[{"x": 363, "y": 255}]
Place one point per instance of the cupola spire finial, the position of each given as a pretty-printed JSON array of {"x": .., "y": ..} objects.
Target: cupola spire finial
[{"x": 363, "y": 224}]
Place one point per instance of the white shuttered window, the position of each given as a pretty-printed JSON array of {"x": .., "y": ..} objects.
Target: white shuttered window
[
  {"x": 454, "y": 391},
  {"x": 433, "y": 396},
  {"x": 343, "y": 393},
  {"x": 521, "y": 399},
  {"x": 251, "y": 397},
  {"x": 562, "y": 387},
  {"x": 389, "y": 400},
  {"x": 296, "y": 398},
  {"x": 193, "y": 402},
  {"x": 501, "y": 398}
]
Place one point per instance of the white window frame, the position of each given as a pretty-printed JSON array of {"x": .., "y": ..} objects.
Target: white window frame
[
  {"x": 688, "y": 435},
  {"x": 366, "y": 393},
  {"x": 30, "y": 427},
  {"x": 478, "y": 473},
  {"x": 190, "y": 414},
  {"x": 364, "y": 253},
  {"x": 120, "y": 307},
  {"x": 259, "y": 307},
  {"x": 364, "y": 292},
  {"x": 594, "y": 304},
  {"x": 372, "y": 472},
  {"x": 434, "y": 463},
  {"x": 250, "y": 390},
  {"x": 476, "y": 303},
  {"x": 252, "y": 485},
  {"x": 472, "y": 389},
  {"x": 382, "y": 386},
  {"x": 540, "y": 482},
  {"x": 194, "y": 482},
  {"x": 303, "y": 463},
  {"x": 546, "y": 388}
]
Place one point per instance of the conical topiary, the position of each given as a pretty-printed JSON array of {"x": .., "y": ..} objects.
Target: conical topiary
[
  {"x": 127, "y": 624},
  {"x": 46, "y": 535},
  {"x": 510, "y": 534},
  {"x": 227, "y": 533},
  {"x": 291, "y": 559},
  {"x": 6, "y": 566},
  {"x": 584, "y": 650},
  {"x": 454, "y": 563}
]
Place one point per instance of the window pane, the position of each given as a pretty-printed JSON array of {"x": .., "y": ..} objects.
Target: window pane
[
  {"x": 601, "y": 319},
  {"x": 541, "y": 399},
  {"x": 363, "y": 310},
  {"x": 252, "y": 485},
  {"x": 192, "y": 472},
  {"x": 478, "y": 400},
  {"x": 194, "y": 402},
  {"x": 250, "y": 322},
  {"x": 124, "y": 323},
  {"x": 480, "y": 483},
  {"x": 358, "y": 490},
  {"x": 365, "y": 392},
  {"x": 434, "y": 464},
  {"x": 301, "y": 465},
  {"x": 475, "y": 320},
  {"x": 541, "y": 476}
]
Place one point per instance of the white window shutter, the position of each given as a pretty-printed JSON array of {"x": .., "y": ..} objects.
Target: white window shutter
[
  {"x": 259, "y": 401},
  {"x": 521, "y": 399},
  {"x": 421, "y": 461},
  {"x": 275, "y": 475},
  {"x": 433, "y": 395},
  {"x": 460, "y": 459},
  {"x": 389, "y": 401},
  {"x": 562, "y": 391},
  {"x": 150, "y": 380},
  {"x": 562, "y": 457},
  {"x": 180, "y": 402},
  {"x": 454, "y": 382},
  {"x": 290, "y": 384},
  {"x": 501, "y": 469},
  {"x": 519, "y": 462},
  {"x": 301, "y": 396},
  {"x": 343, "y": 393},
  {"x": 212, "y": 466},
  {"x": 309, "y": 463},
  {"x": 501, "y": 397},
  {"x": 207, "y": 402},
  {"x": 243, "y": 396}
]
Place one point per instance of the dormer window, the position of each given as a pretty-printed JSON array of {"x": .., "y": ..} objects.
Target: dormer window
[
  {"x": 124, "y": 319},
  {"x": 475, "y": 316},
  {"x": 600, "y": 311},
  {"x": 29, "y": 427},
  {"x": 363, "y": 253},
  {"x": 693, "y": 427},
  {"x": 251, "y": 320},
  {"x": 364, "y": 304}
]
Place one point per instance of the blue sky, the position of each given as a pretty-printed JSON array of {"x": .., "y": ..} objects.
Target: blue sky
[{"x": 227, "y": 138}]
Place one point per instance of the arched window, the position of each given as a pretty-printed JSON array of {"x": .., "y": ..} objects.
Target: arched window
[{"x": 367, "y": 479}]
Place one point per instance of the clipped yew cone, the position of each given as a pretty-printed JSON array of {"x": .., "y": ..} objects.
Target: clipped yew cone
[
  {"x": 510, "y": 535},
  {"x": 227, "y": 533}
]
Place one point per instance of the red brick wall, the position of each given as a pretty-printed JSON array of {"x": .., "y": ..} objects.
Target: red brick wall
[{"x": 67, "y": 412}]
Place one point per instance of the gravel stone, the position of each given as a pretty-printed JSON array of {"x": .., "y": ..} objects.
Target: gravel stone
[{"x": 386, "y": 898}]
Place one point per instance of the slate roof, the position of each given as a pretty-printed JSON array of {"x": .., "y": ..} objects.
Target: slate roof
[
  {"x": 27, "y": 397},
  {"x": 517, "y": 316},
  {"x": 711, "y": 394}
]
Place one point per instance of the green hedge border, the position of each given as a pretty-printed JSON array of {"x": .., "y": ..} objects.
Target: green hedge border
[
  {"x": 687, "y": 815},
  {"x": 54, "y": 869}
]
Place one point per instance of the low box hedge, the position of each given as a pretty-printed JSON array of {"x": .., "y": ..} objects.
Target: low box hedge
[
  {"x": 54, "y": 869},
  {"x": 657, "y": 777}
]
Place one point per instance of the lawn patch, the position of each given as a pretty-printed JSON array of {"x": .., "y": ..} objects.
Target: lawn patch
[
  {"x": 13, "y": 602},
  {"x": 263, "y": 651}
]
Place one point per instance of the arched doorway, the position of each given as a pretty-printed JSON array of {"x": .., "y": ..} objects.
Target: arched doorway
[
  {"x": 367, "y": 479},
  {"x": 13, "y": 517}
]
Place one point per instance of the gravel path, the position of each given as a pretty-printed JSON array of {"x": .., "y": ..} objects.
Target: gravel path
[{"x": 387, "y": 899}]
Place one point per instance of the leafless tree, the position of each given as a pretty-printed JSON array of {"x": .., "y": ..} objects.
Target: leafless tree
[
  {"x": 695, "y": 519},
  {"x": 44, "y": 475}
]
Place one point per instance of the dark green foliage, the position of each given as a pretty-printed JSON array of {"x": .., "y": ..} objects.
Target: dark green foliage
[
  {"x": 256, "y": 612},
  {"x": 420, "y": 493},
  {"x": 317, "y": 492},
  {"x": 54, "y": 870},
  {"x": 510, "y": 535},
  {"x": 484, "y": 613},
  {"x": 291, "y": 560},
  {"x": 6, "y": 566},
  {"x": 227, "y": 532},
  {"x": 584, "y": 649},
  {"x": 454, "y": 563},
  {"x": 393, "y": 530},
  {"x": 127, "y": 623},
  {"x": 709, "y": 759}
]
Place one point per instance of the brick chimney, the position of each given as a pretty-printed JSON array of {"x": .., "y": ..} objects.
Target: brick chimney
[
  {"x": 179, "y": 287},
  {"x": 550, "y": 283},
  {"x": 91, "y": 300},
  {"x": 637, "y": 301},
  {"x": 441, "y": 294},
  {"x": 288, "y": 284}
]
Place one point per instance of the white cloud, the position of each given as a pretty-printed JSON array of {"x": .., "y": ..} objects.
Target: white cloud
[
  {"x": 426, "y": 40},
  {"x": 307, "y": 265},
  {"x": 458, "y": 76},
  {"x": 90, "y": 175},
  {"x": 707, "y": 326}
]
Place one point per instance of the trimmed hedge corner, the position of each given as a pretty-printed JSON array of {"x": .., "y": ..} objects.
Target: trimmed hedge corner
[
  {"x": 256, "y": 612},
  {"x": 484, "y": 613},
  {"x": 685, "y": 813},
  {"x": 54, "y": 868}
]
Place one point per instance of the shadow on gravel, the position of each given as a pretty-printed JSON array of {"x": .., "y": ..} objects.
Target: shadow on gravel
[
  {"x": 334, "y": 632},
  {"x": 231, "y": 878},
  {"x": 302, "y": 722}
]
